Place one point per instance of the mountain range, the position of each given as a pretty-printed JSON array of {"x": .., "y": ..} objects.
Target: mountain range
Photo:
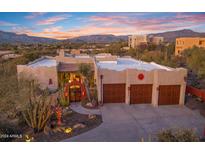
[{"x": 169, "y": 36}]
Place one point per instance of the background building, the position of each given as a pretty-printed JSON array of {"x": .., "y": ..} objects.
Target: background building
[
  {"x": 135, "y": 40},
  {"x": 188, "y": 42},
  {"x": 156, "y": 40}
]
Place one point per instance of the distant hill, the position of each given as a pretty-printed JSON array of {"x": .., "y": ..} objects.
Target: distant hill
[
  {"x": 9, "y": 37},
  {"x": 98, "y": 39},
  {"x": 170, "y": 36}
]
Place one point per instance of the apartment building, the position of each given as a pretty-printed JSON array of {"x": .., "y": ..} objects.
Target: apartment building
[
  {"x": 135, "y": 40},
  {"x": 188, "y": 42},
  {"x": 156, "y": 40}
]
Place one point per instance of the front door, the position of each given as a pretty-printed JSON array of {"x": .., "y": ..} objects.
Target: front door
[{"x": 75, "y": 93}]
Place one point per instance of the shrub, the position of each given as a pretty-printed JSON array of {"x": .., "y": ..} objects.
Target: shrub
[
  {"x": 184, "y": 135},
  {"x": 62, "y": 99},
  {"x": 38, "y": 111}
]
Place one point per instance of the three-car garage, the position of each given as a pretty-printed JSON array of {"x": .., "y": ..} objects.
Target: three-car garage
[
  {"x": 134, "y": 82},
  {"x": 141, "y": 94}
]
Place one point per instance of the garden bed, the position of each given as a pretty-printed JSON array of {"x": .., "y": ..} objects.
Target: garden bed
[
  {"x": 79, "y": 123},
  {"x": 195, "y": 103}
]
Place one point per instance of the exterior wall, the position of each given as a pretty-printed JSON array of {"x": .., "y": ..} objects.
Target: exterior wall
[
  {"x": 135, "y": 40},
  {"x": 73, "y": 59},
  {"x": 188, "y": 42},
  {"x": 40, "y": 74},
  {"x": 63, "y": 58},
  {"x": 157, "y": 40},
  {"x": 155, "y": 77},
  {"x": 108, "y": 58}
]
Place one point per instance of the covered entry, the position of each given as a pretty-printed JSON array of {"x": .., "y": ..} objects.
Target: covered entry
[
  {"x": 141, "y": 94},
  {"x": 113, "y": 93},
  {"x": 169, "y": 94}
]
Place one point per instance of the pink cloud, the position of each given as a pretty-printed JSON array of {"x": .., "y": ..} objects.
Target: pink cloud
[
  {"x": 34, "y": 15},
  {"x": 119, "y": 25},
  {"x": 52, "y": 20},
  {"x": 182, "y": 20},
  {"x": 4, "y": 23}
]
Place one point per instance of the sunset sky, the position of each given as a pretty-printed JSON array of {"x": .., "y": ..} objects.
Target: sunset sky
[{"x": 68, "y": 25}]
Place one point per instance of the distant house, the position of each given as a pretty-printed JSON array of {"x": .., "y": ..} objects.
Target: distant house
[
  {"x": 118, "y": 79},
  {"x": 135, "y": 41},
  {"x": 156, "y": 40},
  {"x": 188, "y": 42}
]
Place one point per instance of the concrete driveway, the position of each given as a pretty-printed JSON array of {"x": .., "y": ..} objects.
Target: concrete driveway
[{"x": 123, "y": 122}]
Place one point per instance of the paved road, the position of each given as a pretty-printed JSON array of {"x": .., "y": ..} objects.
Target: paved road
[{"x": 123, "y": 122}]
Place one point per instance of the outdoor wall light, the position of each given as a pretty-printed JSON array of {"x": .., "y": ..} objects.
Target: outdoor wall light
[{"x": 68, "y": 130}]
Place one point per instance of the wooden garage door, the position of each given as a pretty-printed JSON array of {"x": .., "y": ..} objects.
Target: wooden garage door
[
  {"x": 141, "y": 94},
  {"x": 114, "y": 93},
  {"x": 169, "y": 94}
]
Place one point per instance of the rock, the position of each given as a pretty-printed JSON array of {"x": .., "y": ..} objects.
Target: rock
[
  {"x": 199, "y": 99},
  {"x": 79, "y": 125},
  {"x": 202, "y": 112},
  {"x": 91, "y": 116},
  {"x": 89, "y": 104}
]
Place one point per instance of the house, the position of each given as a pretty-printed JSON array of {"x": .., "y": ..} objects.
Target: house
[
  {"x": 156, "y": 40},
  {"x": 188, "y": 42},
  {"x": 117, "y": 79},
  {"x": 126, "y": 80},
  {"x": 136, "y": 40}
]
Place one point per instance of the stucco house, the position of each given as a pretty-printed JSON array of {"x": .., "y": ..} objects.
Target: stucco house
[{"x": 118, "y": 79}]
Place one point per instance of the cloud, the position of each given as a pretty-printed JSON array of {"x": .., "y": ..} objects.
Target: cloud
[
  {"x": 52, "y": 20},
  {"x": 117, "y": 24},
  {"x": 58, "y": 33},
  {"x": 34, "y": 15},
  {"x": 22, "y": 30},
  {"x": 159, "y": 23},
  {"x": 4, "y": 23}
]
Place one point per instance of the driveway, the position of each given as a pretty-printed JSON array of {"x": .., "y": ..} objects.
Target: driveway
[{"x": 123, "y": 122}]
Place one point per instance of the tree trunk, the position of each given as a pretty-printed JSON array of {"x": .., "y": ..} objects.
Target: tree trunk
[{"x": 87, "y": 89}]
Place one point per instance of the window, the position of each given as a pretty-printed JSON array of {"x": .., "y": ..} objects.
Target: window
[{"x": 50, "y": 81}]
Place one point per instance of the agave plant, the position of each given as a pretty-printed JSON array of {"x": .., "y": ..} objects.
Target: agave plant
[{"x": 38, "y": 111}]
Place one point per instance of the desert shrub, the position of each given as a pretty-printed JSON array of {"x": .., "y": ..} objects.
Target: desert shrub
[
  {"x": 38, "y": 111},
  {"x": 195, "y": 59},
  {"x": 62, "y": 100},
  {"x": 184, "y": 135}
]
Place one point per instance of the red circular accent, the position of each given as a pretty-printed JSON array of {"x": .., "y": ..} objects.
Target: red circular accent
[{"x": 141, "y": 76}]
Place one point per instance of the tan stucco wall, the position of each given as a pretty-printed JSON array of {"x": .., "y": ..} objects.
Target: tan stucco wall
[
  {"x": 187, "y": 42},
  {"x": 73, "y": 59},
  {"x": 107, "y": 58},
  {"x": 40, "y": 74},
  {"x": 155, "y": 77}
]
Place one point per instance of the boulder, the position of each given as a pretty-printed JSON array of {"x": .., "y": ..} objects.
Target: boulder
[
  {"x": 91, "y": 116},
  {"x": 89, "y": 104},
  {"x": 79, "y": 125}
]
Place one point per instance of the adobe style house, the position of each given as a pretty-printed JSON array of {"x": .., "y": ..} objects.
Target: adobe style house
[
  {"x": 118, "y": 79},
  {"x": 136, "y": 40},
  {"x": 188, "y": 42}
]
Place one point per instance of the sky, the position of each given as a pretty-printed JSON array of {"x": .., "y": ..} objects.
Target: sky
[{"x": 68, "y": 25}]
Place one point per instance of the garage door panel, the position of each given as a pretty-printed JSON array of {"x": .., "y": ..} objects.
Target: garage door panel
[
  {"x": 114, "y": 93},
  {"x": 169, "y": 94},
  {"x": 141, "y": 94}
]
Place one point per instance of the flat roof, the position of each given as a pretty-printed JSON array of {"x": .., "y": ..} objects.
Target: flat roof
[
  {"x": 129, "y": 63},
  {"x": 43, "y": 62}
]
